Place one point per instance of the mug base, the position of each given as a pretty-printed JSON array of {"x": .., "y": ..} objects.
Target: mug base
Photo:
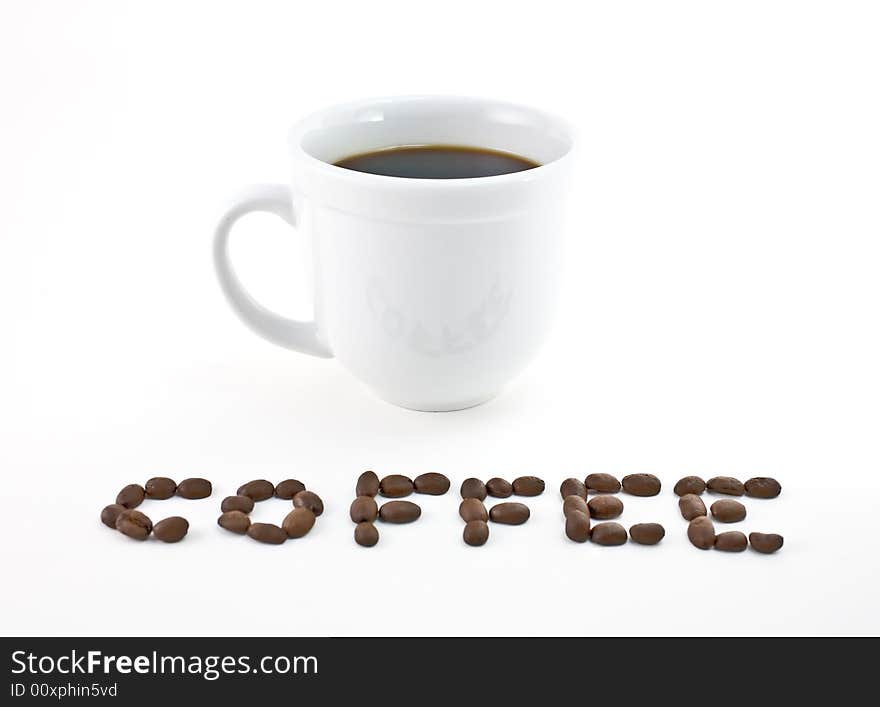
[{"x": 420, "y": 406}]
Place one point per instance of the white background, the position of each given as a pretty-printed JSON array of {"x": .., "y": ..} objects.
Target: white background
[{"x": 719, "y": 316}]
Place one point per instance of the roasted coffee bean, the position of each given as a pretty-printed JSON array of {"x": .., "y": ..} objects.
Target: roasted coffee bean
[
  {"x": 235, "y": 522},
  {"x": 728, "y": 511},
  {"x": 603, "y": 483},
  {"x": 363, "y": 508},
  {"x": 366, "y": 534},
  {"x": 701, "y": 533},
  {"x": 194, "y": 488},
  {"x": 160, "y": 487},
  {"x": 577, "y": 526},
  {"x": 574, "y": 503},
  {"x": 473, "y": 488},
  {"x": 641, "y": 484},
  {"x": 299, "y": 522},
  {"x": 476, "y": 533},
  {"x": 731, "y": 541},
  {"x": 258, "y": 489},
  {"x": 572, "y": 487},
  {"x": 396, "y": 486},
  {"x": 528, "y": 486},
  {"x": 605, "y": 507},
  {"x": 691, "y": 506},
  {"x": 689, "y": 484},
  {"x": 171, "y": 530},
  {"x": 647, "y": 533},
  {"x": 288, "y": 488},
  {"x": 267, "y": 533},
  {"x": 472, "y": 509},
  {"x": 399, "y": 512},
  {"x": 509, "y": 513},
  {"x": 765, "y": 542},
  {"x": 608, "y": 534},
  {"x": 432, "y": 484},
  {"x": 110, "y": 514},
  {"x": 134, "y": 524},
  {"x": 310, "y": 500},
  {"x": 762, "y": 487},
  {"x": 727, "y": 485},
  {"x": 499, "y": 488},
  {"x": 245, "y": 504},
  {"x": 131, "y": 496},
  {"x": 367, "y": 484}
]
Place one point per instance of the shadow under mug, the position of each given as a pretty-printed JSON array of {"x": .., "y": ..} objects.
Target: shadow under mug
[{"x": 433, "y": 292}]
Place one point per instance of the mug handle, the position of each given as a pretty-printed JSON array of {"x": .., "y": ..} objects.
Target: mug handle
[{"x": 289, "y": 333}]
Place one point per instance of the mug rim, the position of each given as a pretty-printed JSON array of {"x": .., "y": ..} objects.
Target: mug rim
[{"x": 313, "y": 121}]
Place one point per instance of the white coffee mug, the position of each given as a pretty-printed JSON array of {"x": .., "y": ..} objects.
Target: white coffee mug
[{"x": 433, "y": 292}]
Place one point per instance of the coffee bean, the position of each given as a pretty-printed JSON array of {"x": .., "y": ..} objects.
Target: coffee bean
[
  {"x": 472, "y": 509},
  {"x": 691, "y": 506},
  {"x": 572, "y": 487},
  {"x": 577, "y": 526},
  {"x": 647, "y": 533},
  {"x": 728, "y": 511},
  {"x": 367, "y": 484},
  {"x": 267, "y": 533},
  {"x": 171, "y": 530},
  {"x": 288, "y": 488},
  {"x": 574, "y": 503},
  {"x": 762, "y": 487},
  {"x": 235, "y": 522},
  {"x": 258, "y": 489},
  {"x": 701, "y": 533},
  {"x": 245, "y": 504},
  {"x": 476, "y": 533},
  {"x": 765, "y": 542},
  {"x": 195, "y": 488},
  {"x": 499, "y": 488},
  {"x": 110, "y": 514},
  {"x": 509, "y": 513},
  {"x": 689, "y": 484},
  {"x": 528, "y": 486},
  {"x": 363, "y": 508},
  {"x": 299, "y": 522},
  {"x": 134, "y": 524},
  {"x": 366, "y": 534},
  {"x": 432, "y": 484},
  {"x": 396, "y": 486},
  {"x": 399, "y": 512},
  {"x": 160, "y": 487},
  {"x": 473, "y": 488},
  {"x": 731, "y": 541},
  {"x": 131, "y": 496},
  {"x": 605, "y": 507},
  {"x": 608, "y": 534},
  {"x": 310, "y": 500},
  {"x": 727, "y": 485},
  {"x": 603, "y": 483},
  {"x": 641, "y": 484}
]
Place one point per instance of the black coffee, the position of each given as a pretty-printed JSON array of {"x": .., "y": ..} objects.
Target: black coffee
[{"x": 436, "y": 162}]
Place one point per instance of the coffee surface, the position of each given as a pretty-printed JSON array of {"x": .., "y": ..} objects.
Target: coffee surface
[{"x": 436, "y": 162}]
